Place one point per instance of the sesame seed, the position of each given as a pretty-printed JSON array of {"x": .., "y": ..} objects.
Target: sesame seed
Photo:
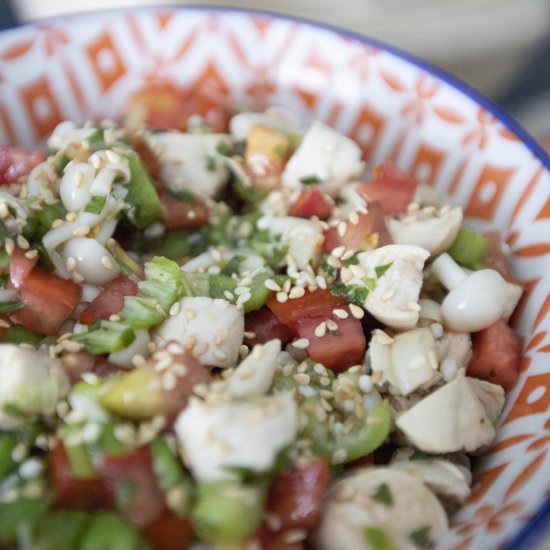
[
  {"x": 175, "y": 309},
  {"x": 176, "y": 497},
  {"x": 432, "y": 359},
  {"x": 295, "y": 535},
  {"x": 340, "y": 313},
  {"x": 220, "y": 355},
  {"x": 437, "y": 330},
  {"x": 243, "y": 298},
  {"x": 348, "y": 254},
  {"x": 286, "y": 286},
  {"x": 413, "y": 207},
  {"x": 301, "y": 343},
  {"x": 70, "y": 264},
  {"x": 339, "y": 456},
  {"x": 106, "y": 262},
  {"x": 90, "y": 378},
  {"x": 296, "y": 292},
  {"x": 332, "y": 261},
  {"x": 91, "y": 432},
  {"x": 19, "y": 452},
  {"x": 342, "y": 228},
  {"x": 383, "y": 338},
  {"x": 358, "y": 271},
  {"x": 71, "y": 217},
  {"x": 321, "y": 282},
  {"x": 339, "y": 251},
  {"x": 271, "y": 284},
  {"x": 22, "y": 242},
  {"x": 249, "y": 334},
  {"x": 243, "y": 351},
  {"x": 9, "y": 245},
  {"x": 200, "y": 349},
  {"x": 113, "y": 156},
  {"x": 190, "y": 342},
  {"x": 388, "y": 295},
  {"x": 174, "y": 348},
  {"x": 301, "y": 378},
  {"x": 57, "y": 223},
  {"x": 413, "y": 306},
  {"x": 282, "y": 297},
  {"x": 81, "y": 231},
  {"x": 354, "y": 218},
  {"x": 356, "y": 311},
  {"x": 31, "y": 254},
  {"x": 31, "y": 468},
  {"x": 4, "y": 211},
  {"x": 228, "y": 295},
  {"x": 332, "y": 325},
  {"x": 320, "y": 329},
  {"x": 221, "y": 336},
  {"x": 168, "y": 381},
  {"x": 138, "y": 360},
  {"x": 114, "y": 317}
]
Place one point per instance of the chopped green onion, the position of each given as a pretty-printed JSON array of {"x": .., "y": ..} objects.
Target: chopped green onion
[
  {"x": 420, "y": 537},
  {"x": 96, "y": 204},
  {"x": 383, "y": 495},
  {"x": 10, "y": 307},
  {"x": 381, "y": 269},
  {"x": 107, "y": 531},
  {"x": 469, "y": 249},
  {"x": 378, "y": 539},
  {"x": 18, "y": 334},
  {"x": 111, "y": 337},
  {"x": 310, "y": 180}
]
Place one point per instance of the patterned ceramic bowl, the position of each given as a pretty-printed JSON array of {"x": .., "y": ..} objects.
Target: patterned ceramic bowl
[{"x": 396, "y": 107}]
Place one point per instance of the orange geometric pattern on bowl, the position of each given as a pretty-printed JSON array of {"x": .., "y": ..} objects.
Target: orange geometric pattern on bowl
[{"x": 89, "y": 67}]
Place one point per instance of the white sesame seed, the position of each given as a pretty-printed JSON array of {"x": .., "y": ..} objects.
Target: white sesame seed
[
  {"x": 138, "y": 360},
  {"x": 243, "y": 298},
  {"x": 332, "y": 325},
  {"x": 282, "y": 297},
  {"x": 340, "y": 313},
  {"x": 106, "y": 262},
  {"x": 57, "y": 223},
  {"x": 4, "y": 211},
  {"x": 189, "y": 314},
  {"x": 175, "y": 309},
  {"x": 332, "y": 261},
  {"x": 448, "y": 368},
  {"x": 174, "y": 348},
  {"x": 19, "y": 452},
  {"x": 70, "y": 264},
  {"x": 301, "y": 343},
  {"x": 81, "y": 231},
  {"x": 413, "y": 306},
  {"x": 228, "y": 295},
  {"x": 113, "y": 156},
  {"x": 71, "y": 217},
  {"x": 243, "y": 351},
  {"x": 383, "y": 338},
  {"x": 271, "y": 284},
  {"x": 295, "y": 535},
  {"x": 339, "y": 251},
  {"x": 31, "y": 254},
  {"x": 221, "y": 336},
  {"x": 301, "y": 378},
  {"x": 22, "y": 242},
  {"x": 365, "y": 383},
  {"x": 356, "y": 311},
  {"x": 320, "y": 329},
  {"x": 342, "y": 228},
  {"x": 437, "y": 330},
  {"x": 321, "y": 282},
  {"x": 354, "y": 218},
  {"x": 168, "y": 381},
  {"x": 114, "y": 317},
  {"x": 190, "y": 342},
  {"x": 250, "y": 334},
  {"x": 296, "y": 292},
  {"x": 388, "y": 295},
  {"x": 219, "y": 354},
  {"x": 9, "y": 245},
  {"x": 91, "y": 432},
  {"x": 357, "y": 271}
]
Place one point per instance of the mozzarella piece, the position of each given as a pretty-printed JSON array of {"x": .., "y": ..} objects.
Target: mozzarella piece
[
  {"x": 304, "y": 238},
  {"x": 451, "y": 419},
  {"x": 219, "y": 434},
  {"x": 445, "y": 479},
  {"x": 211, "y": 328},
  {"x": 351, "y": 506},
  {"x": 407, "y": 361},
  {"x": 30, "y": 382},
  {"x": 94, "y": 264},
  {"x": 455, "y": 347},
  {"x": 327, "y": 155},
  {"x": 255, "y": 373},
  {"x": 394, "y": 300},
  {"x": 434, "y": 231},
  {"x": 186, "y": 161},
  {"x": 275, "y": 117}
]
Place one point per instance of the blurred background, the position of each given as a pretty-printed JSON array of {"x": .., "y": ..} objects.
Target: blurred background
[{"x": 500, "y": 47}]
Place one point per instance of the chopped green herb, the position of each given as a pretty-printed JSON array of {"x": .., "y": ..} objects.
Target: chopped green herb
[
  {"x": 370, "y": 283},
  {"x": 356, "y": 294},
  {"x": 352, "y": 260},
  {"x": 223, "y": 149},
  {"x": 211, "y": 164},
  {"x": 96, "y": 204},
  {"x": 419, "y": 455},
  {"x": 381, "y": 269},
  {"x": 383, "y": 495},
  {"x": 309, "y": 180},
  {"x": 420, "y": 537},
  {"x": 378, "y": 539}
]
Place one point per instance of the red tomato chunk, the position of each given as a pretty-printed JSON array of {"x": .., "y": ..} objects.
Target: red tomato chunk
[
  {"x": 311, "y": 202},
  {"x": 16, "y": 163},
  {"x": 170, "y": 532}
]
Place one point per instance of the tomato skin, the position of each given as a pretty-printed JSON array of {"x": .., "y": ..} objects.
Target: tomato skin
[
  {"x": 71, "y": 492},
  {"x": 48, "y": 301},
  {"x": 110, "y": 300},
  {"x": 20, "y": 266},
  {"x": 177, "y": 214},
  {"x": 497, "y": 355},
  {"x": 170, "y": 532},
  {"x": 16, "y": 163},
  {"x": 145, "y": 503},
  {"x": 392, "y": 188},
  {"x": 311, "y": 304},
  {"x": 296, "y": 497},
  {"x": 266, "y": 326},
  {"x": 311, "y": 202},
  {"x": 357, "y": 235}
]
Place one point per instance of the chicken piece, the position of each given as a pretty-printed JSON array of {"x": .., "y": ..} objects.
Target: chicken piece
[
  {"x": 211, "y": 328},
  {"x": 395, "y": 272},
  {"x": 379, "y": 501},
  {"x": 433, "y": 230},
  {"x": 324, "y": 157},
  {"x": 407, "y": 361},
  {"x": 191, "y": 162},
  {"x": 304, "y": 238},
  {"x": 30, "y": 382},
  {"x": 219, "y": 434},
  {"x": 452, "y": 418}
]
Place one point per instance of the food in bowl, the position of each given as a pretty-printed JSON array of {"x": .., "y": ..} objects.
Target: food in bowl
[{"x": 239, "y": 337}]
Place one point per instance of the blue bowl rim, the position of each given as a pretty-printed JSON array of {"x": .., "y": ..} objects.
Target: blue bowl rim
[{"x": 538, "y": 525}]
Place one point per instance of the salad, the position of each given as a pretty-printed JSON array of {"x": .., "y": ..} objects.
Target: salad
[{"x": 239, "y": 338}]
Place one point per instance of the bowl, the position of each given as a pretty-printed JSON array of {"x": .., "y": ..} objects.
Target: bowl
[{"x": 396, "y": 107}]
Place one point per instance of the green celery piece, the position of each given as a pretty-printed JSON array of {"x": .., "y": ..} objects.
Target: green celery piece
[
  {"x": 112, "y": 336},
  {"x": 469, "y": 249},
  {"x": 228, "y": 510},
  {"x": 258, "y": 292},
  {"x": 142, "y": 199},
  {"x": 62, "y": 530},
  {"x": 362, "y": 439},
  {"x": 175, "y": 244},
  {"x": 48, "y": 213},
  {"x": 218, "y": 284},
  {"x": 107, "y": 531},
  {"x": 171, "y": 475},
  {"x": 18, "y": 334},
  {"x": 140, "y": 312},
  {"x": 8, "y": 441},
  {"x": 79, "y": 458},
  {"x": 20, "y": 513},
  {"x": 196, "y": 284}
]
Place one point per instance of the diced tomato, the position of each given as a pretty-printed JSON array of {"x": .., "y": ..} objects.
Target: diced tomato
[
  {"x": 311, "y": 304},
  {"x": 147, "y": 156},
  {"x": 48, "y": 301},
  {"x": 311, "y": 202},
  {"x": 170, "y": 532},
  {"x": 497, "y": 355},
  {"x": 16, "y": 163},
  {"x": 110, "y": 300},
  {"x": 496, "y": 259},
  {"x": 131, "y": 477},
  {"x": 20, "y": 266},
  {"x": 337, "y": 350},
  {"x": 269, "y": 540},
  {"x": 296, "y": 497},
  {"x": 71, "y": 492},
  {"x": 393, "y": 189},
  {"x": 178, "y": 214},
  {"x": 266, "y": 326},
  {"x": 77, "y": 363},
  {"x": 356, "y": 236},
  {"x": 176, "y": 398}
]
